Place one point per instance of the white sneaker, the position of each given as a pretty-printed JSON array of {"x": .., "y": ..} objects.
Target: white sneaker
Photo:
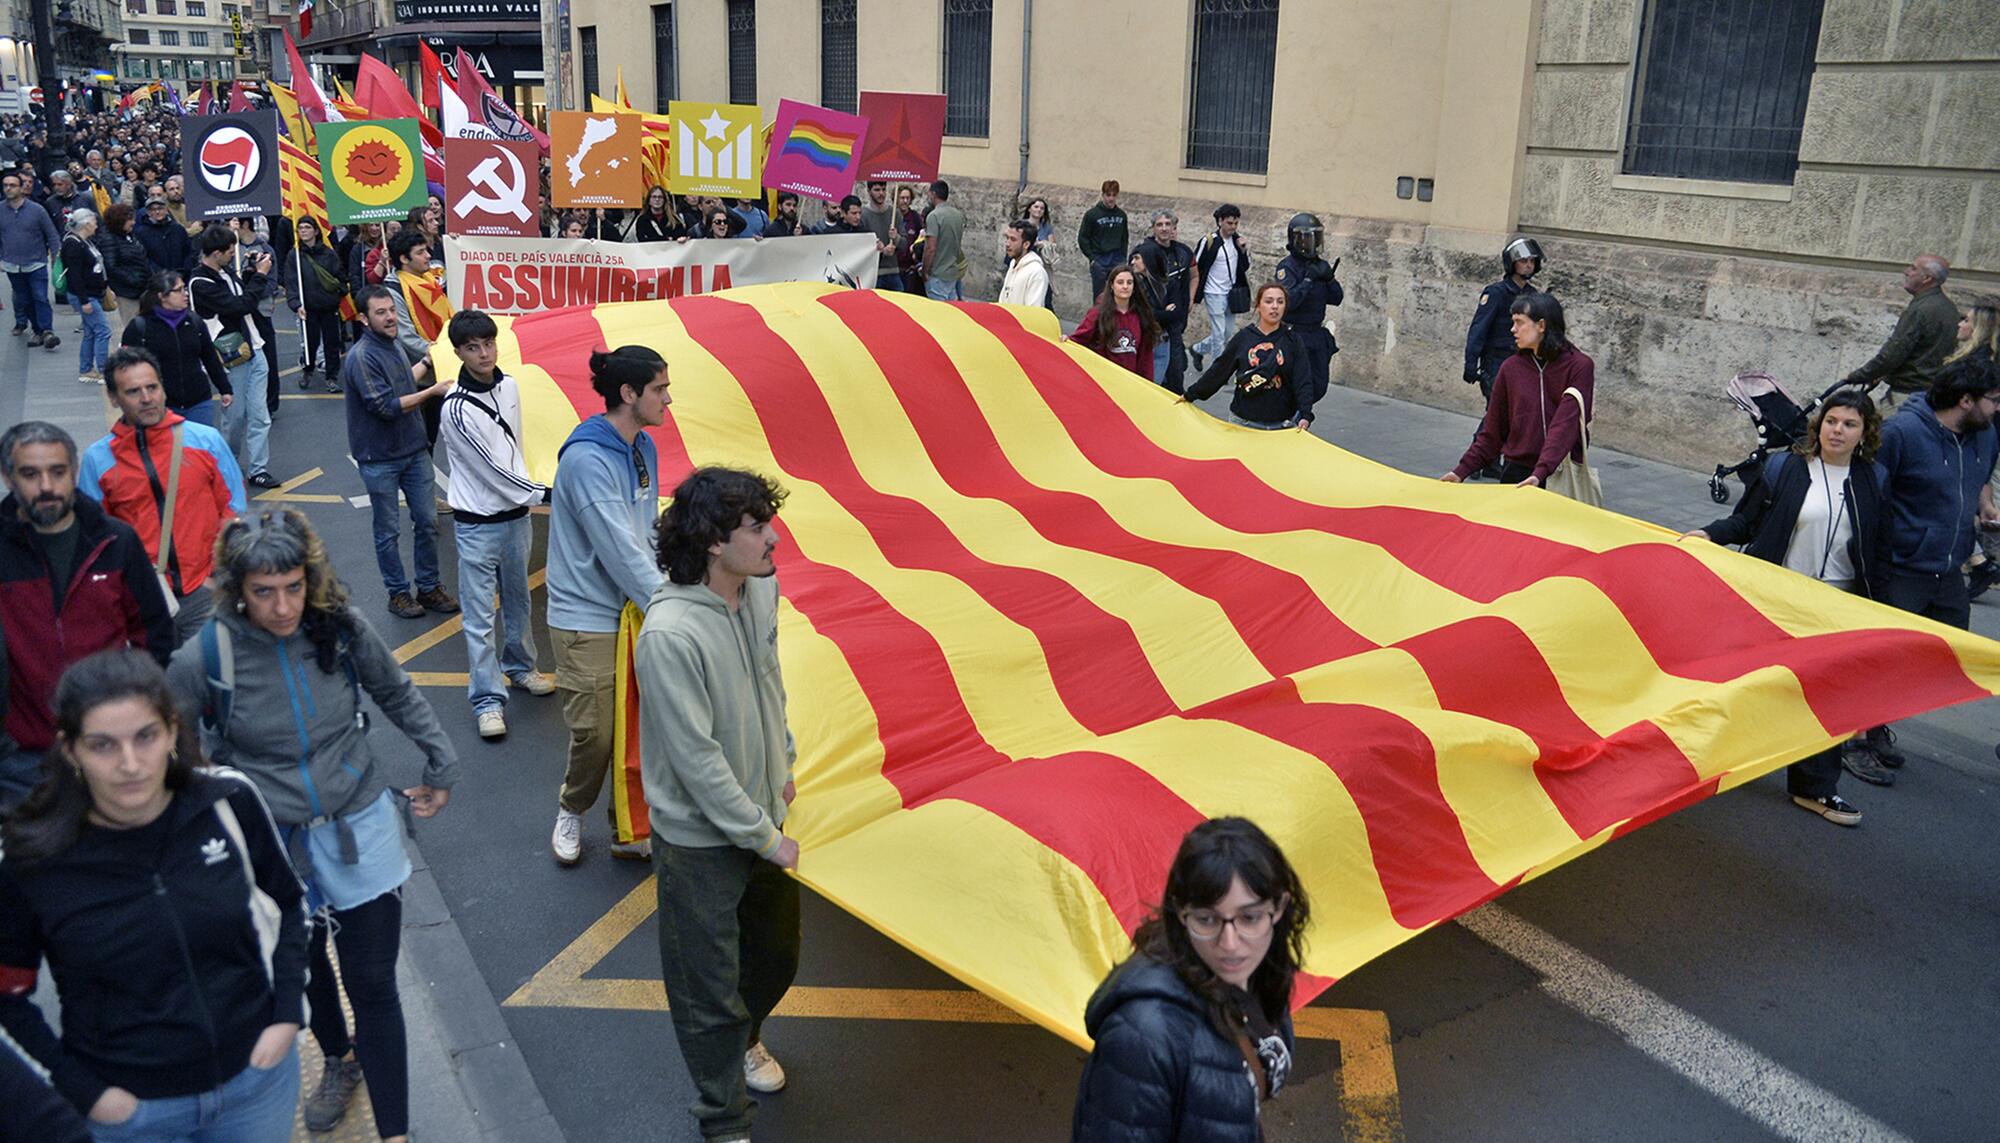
[
  {"x": 535, "y": 683},
  {"x": 567, "y": 841},
  {"x": 492, "y": 724},
  {"x": 761, "y": 1073}
]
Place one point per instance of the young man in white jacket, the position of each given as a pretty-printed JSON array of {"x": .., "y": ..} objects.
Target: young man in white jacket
[
  {"x": 490, "y": 496},
  {"x": 1027, "y": 281}
]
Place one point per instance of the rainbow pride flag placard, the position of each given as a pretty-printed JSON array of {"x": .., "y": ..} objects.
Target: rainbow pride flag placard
[{"x": 814, "y": 151}]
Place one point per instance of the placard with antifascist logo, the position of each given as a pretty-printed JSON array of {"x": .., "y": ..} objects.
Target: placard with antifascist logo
[
  {"x": 492, "y": 186},
  {"x": 374, "y": 169},
  {"x": 594, "y": 160},
  {"x": 717, "y": 149},
  {"x": 229, "y": 164}
]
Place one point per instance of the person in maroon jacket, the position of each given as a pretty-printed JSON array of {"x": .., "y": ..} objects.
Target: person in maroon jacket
[
  {"x": 1529, "y": 423},
  {"x": 73, "y": 581},
  {"x": 1121, "y": 327}
]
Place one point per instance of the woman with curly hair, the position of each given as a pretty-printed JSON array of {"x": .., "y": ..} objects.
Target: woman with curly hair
[
  {"x": 1194, "y": 1030},
  {"x": 276, "y": 680},
  {"x": 130, "y": 870},
  {"x": 1818, "y": 510}
]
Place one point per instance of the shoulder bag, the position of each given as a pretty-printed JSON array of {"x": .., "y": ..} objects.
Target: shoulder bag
[
  {"x": 167, "y": 524},
  {"x": 1573, "y": 478},
  {"x": 265, "y": 914}
]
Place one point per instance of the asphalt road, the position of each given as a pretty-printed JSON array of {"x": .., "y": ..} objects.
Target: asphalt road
[{"x": 1740, "y": 970}]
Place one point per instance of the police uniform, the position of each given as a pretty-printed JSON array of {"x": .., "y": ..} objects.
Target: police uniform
[
  {"x": 1310, "y": 287},
  {"x": 1489, "y": 341}
]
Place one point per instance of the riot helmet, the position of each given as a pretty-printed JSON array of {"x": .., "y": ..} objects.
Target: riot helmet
[
  {"x": 1304, "y": 235},
  {"x": 1521, "y": 247}
]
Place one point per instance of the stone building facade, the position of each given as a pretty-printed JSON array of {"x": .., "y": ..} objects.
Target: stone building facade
[{"x": 1502, "y": 116}]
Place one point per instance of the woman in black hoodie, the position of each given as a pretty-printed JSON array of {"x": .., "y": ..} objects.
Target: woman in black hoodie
[{"x": 169, "y": 915}]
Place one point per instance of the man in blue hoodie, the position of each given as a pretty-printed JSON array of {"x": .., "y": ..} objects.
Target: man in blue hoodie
[
  {"x": 600, "y": 559},
  {"x": 1936, "y": 458}
]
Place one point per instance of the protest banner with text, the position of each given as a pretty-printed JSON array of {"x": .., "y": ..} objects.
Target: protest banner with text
[{"x": 528, "y": 275}]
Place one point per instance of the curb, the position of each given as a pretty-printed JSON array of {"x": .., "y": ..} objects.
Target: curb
[{"x": 468, "y": 1079}]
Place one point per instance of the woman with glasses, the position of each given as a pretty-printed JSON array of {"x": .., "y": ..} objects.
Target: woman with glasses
[
  {"x": 715, "y": 224},
  {"x": 1194, "y": 1031},
  {"x": 191, "y": 370}
]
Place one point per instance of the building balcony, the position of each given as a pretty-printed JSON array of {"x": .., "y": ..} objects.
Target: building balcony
[{"x": 340, "y": 25}]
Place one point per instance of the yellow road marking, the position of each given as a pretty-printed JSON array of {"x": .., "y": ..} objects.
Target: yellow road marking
[
  {"x": 441, "y": 678},
  {"x": 447, "y": 629},
  {"x": 1369, "y": 1094},
  {"x": 284, "y": 491}
]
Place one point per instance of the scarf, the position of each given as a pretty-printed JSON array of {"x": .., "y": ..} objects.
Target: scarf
[
  {"x": 173, "y": 318},
  {"x": 429, "y": 308}
]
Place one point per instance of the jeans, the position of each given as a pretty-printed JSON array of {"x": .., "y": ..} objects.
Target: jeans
[
  {"x": 1100, "y": 269},
  {"x": 95, "y": 344},
  {"x": 1162, "y": 353},
  {"x": 1939, "y": 597},
  {"x": 369, "y": 936},
  {"x": 729, "y": 948},
  {"x": 254, "y": 1106},
  {"x": 1221, "y": 325},
  {"x": 941, "y": 290},
  {"x": 411, "y": 475},
  {"x": 491, "y": 555},
  {"x": 201, "y": 412},
  {"x": 20, "y": 773},
  {"x": 587, "y": 681},
  {"x": 247, "y": 420},
  {"x": 889, "y": 282},
  {"x": 31, "y": 299}
]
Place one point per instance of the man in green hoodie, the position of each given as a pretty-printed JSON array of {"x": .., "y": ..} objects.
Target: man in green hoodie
[{"x": 716, "y": 757}]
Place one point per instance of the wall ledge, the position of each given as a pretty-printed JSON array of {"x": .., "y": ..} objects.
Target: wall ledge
[
  {"x": 1708, "y": 188},
  {"x": 1230, "y": 178}
]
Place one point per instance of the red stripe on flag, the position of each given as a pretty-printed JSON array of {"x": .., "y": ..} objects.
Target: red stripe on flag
[
  {"x": 1656, "y": 586},
  {"x": 1594, "y": 781},
  {"x": 1388, "y": 766},
  {"x": 1100, "y": 672},
  {"x": 560, "y": 343},
  {"x": 963, "y": 449}
]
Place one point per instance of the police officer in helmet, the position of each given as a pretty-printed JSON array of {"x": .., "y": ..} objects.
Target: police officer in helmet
[
  {"x": 1490, "y": 339},
  {"x": 1310, "y": 287}
]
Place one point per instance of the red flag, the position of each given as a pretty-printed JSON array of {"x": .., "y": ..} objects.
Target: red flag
[
  {"x": 484, "y": 107},
  {"x": 305, "y": 20},
  {"x": 378, "y": 88},
  {"x": 203, "y": 100},
  {"x": 238, "y": 100},
  {"x": 312, "y": 101},
  {"x": 433, "y": 77}
]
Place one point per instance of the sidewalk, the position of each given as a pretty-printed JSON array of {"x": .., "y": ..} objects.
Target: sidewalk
[{"x": 468, "y": 1080}]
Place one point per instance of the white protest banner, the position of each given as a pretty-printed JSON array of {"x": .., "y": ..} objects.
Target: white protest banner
[{"x": 528, "y": 275}]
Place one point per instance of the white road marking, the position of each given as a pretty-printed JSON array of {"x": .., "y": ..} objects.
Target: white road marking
[{"x": 1732, "y": 1071}]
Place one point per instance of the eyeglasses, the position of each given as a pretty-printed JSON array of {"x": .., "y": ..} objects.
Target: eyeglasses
[{"x": 1251, "y": 924}]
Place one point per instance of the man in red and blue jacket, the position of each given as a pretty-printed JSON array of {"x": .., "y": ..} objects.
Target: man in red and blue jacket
[
  {"x": 129, "y": 469},
  {"x": 73, "y": 581}
]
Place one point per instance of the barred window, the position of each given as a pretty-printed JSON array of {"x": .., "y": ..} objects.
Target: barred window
[
  {"x": 135, "y": 7},
  {"x": 586, "y": 48},
  {"x": 742, "y": 51},
  {"x": 665, "y": 83},
  {"x": 837, "y": 82},
  {"x": 197, "y": 7},
  {"x": 1235, "y": 67},
  {"x": 165, "y": 7},
  {"x": 1721, "y": 91},
  {"x": 170, "y": 39},
  {"x": 197, "y": 39},
  {"x": 968, "y": 66}
]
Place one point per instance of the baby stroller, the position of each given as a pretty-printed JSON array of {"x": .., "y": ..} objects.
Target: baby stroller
[{"x": 1779, "y": 421}]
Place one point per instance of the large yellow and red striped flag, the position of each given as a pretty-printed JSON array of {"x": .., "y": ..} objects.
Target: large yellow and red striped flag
[{"x": 1039, "y": 619}]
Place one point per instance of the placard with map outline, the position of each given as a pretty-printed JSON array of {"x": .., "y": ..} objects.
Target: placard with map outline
[{"x": 594, "y": 160}]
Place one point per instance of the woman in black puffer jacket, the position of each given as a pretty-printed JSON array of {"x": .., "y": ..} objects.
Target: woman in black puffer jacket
[
  {"x": 124, "y": 259},
  {"x": 1194, "y": 1030},
  {"x": 189, "y": 364}
]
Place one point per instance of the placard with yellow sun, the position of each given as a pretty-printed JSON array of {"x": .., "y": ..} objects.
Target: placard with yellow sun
[{"x": 373, "y": 169}]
